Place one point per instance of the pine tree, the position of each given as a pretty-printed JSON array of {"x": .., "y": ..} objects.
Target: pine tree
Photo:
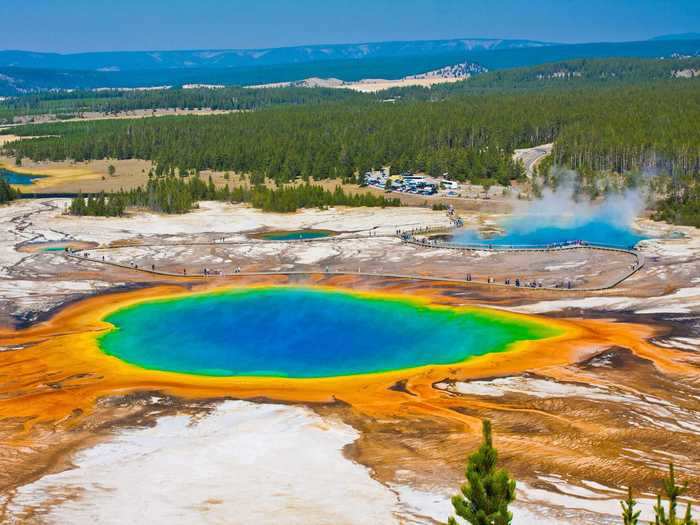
[
  {"x": 672, "y": 492},
  {"x": 7, "y": 193},
  {"x": 658, "y": 510},
  {"x": 629, "y": 515},
  {"x": 484, "y": 499}
]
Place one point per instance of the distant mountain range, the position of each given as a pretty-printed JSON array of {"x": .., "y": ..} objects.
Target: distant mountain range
[
  {"x": 23, "y": 72},
  {"x": 234, "y": 58},
  {"x": 678, "y": 36}
]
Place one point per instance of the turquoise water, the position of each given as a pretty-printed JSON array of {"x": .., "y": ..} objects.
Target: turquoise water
[
  {"x": 303, "y": 333},
  {"x": 55, "y": 249},
  {"x": 543, "y": 231},
  {"x": 18, "y": 178},
  {"x": 295, "y": 235}
]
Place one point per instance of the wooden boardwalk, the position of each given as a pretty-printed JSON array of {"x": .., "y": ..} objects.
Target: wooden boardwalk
[{"x": 84, "y": 255}]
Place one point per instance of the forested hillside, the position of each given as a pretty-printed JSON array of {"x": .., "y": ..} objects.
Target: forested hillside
[
  {"x": 622, "y": 128},
  {"x": 561, "y": 75},
  {"x": 325, "y": 141},
  {"x": 619, "y": 129},
  {"x": 578, "y": 74},
  {"x": 172, "y": 194},
  {"x": 71, "y": 104}
]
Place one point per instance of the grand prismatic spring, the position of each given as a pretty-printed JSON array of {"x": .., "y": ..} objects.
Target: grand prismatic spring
[
  {"x": 295, "y": 332},
  {"x": 281, "y": 342}
]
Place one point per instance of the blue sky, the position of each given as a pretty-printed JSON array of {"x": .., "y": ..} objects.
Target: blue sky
[{"x": 107, "y": 25}]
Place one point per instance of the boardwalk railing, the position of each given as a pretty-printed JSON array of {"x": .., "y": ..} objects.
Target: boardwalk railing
[
  {"x": 84, "y": 256},
  {"x": 410, "y": 237},
  {"x": 406, "y": 236}
]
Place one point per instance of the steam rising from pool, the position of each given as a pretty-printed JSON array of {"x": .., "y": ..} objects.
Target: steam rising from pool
[
  {"x": 563, "y": 207},
  {"x": 560, "y": 217}
]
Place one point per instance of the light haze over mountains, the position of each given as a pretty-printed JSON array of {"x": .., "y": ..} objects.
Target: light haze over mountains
[{"x": 27, "y": 71}]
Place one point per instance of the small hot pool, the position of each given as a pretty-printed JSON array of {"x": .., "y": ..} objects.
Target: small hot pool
[
  {"x": 21, "y": 179},
  {"x": 55, "y": 246},
  {"x": 305, "y": 333},
  {"x": 548, "y": 231},
  {"x": 295, "y": 235}
]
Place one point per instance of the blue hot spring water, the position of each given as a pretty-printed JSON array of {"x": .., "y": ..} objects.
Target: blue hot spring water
[
  {"x": 549, "y": 230},
  {"x": 17, "y": 178},
  {"x": 305, "y": 333},
  {"x": 296, "y": 235}
]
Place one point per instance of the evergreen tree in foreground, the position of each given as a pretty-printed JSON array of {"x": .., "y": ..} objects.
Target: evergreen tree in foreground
[
  {"x": 672, "y": 492},
  {"x": 485, "y": 497},
  {"x": 629, "y": 515},
  {"x": 662, "y": 516}
]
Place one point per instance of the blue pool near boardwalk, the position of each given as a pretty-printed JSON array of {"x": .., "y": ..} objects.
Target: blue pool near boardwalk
[
  {"x": 543, "y": 231},
  {"x": 296, "y": 235}
]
